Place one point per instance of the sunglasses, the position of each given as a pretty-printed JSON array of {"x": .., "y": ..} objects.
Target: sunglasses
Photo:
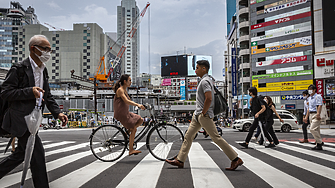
[{"x": 46, "y": 49}]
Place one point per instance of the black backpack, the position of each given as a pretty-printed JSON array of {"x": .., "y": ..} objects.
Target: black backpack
[{"x": 220, "y": 103}]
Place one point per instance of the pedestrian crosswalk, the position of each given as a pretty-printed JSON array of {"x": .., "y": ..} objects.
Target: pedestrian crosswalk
[{"x": 290, "y": 164}]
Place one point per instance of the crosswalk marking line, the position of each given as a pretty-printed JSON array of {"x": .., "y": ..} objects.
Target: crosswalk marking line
[
  {"x": 2, "y": 149},
  {"x": 86, "y": 173},
  {"x": 52, "y": 165},
  {"x": 269, "y": 174},
  {"x": 62, "y": 150},
  {"x": 301, "y": 163},
  {"x": 312, "y": 145},
  {"x": 152, "y": 168},
  {"x": 308, "y": 152},
  {"x": 57, "y": 144},
  {"x": 205, "y": 172}
]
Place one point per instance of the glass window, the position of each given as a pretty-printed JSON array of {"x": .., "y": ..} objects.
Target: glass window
[
  {"x": 88, "y": 41},
  {"x": 85, "y": 31},
  {"x": 85, "y": 37},
  {"x": 88, "y": 34},
  {"x": 85, "y": 44},
  {"x": 53, "y": 45}
]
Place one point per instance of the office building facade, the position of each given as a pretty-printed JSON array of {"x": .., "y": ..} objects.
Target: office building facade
[{"x": 127, "y": 13}]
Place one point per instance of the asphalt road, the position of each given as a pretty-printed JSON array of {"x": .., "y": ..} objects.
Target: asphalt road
[{"x": 71, "y": 164}]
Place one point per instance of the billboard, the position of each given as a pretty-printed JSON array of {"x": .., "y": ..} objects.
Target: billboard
[
  {"x": 182, "y": 89},
  {"x": 174, "y": 65},
  {"x": 192, "y": 63},
  {"x": 166, "y": 82}
]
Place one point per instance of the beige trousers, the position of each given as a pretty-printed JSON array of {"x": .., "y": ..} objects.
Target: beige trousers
[
  {"x": 208, "y": 124},
  {"x": 315, "y": 128}
]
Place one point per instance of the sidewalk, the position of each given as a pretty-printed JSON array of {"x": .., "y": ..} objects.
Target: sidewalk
[{"x": 328, "y": 129}]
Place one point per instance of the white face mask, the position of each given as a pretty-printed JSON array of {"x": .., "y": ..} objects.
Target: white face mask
[
  {"x": 310, "y": 92},
  {"x": 44, "y": 57},
  {"x": 305, "y": 97},
  {"x": 265, "y": 100}
]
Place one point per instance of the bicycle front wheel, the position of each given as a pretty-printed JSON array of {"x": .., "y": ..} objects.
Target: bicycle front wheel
[
  {"x": 108, "y": 143},
  {"x": 164, "y": 141}
]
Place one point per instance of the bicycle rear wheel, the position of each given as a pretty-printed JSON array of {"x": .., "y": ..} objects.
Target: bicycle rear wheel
[
  {"x": 108, "y": 143},
  {"x": 164, "y": 141}
]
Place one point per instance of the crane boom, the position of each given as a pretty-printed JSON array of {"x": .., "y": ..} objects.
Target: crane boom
[{"x": 126, "y": 43}]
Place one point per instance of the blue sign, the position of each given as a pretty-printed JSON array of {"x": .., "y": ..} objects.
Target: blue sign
[
  {"x": 233, "y": 72},
  {"x": 290, "y": 106},
  {"x": 291, "y": 97},
  {"x": 182, "y": 89}
]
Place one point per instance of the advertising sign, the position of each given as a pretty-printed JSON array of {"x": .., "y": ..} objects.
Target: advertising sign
[
  {"x": 255, "y": 1},
  {"x": 182, "y": 89},
  {"x": 281, "y": 33},
  {"x": 330, "y": 89},
  {"x": 166, "y": 82},
  {"x": 281, "y": 20},
  {"x": 277, "y": 3},
  {"x": 286, "y": 5},
  {"x": 255, "y": 83},
  {"x": 324, "y": 65},
  {"x": 287, "y": 14},
  {"x": 281, "y": 61},
  {"x": 233, "y": 72},
  {"x": 174, "y": 65},
  {"x": 291, "y": 97},
  {"x": 290, "y": 106},
  {"x": 286, "y": 86},
  {"x": 283, "y": 75},
  {"x": 304, "y": 41},
  {"x": 319, "y": 87},
  {"x": 192, "y": 63}
]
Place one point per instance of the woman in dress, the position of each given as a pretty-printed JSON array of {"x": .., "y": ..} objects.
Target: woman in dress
[{"x": 121, "y": 110}]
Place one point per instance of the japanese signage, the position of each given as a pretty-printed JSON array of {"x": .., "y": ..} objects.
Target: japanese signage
[
  {"x": 286, "y": 5},
  {"x": 233, "y": 72},
  {"x": 319, "y": 87},
  {"x": 291, "y": 97},
  {"x": 290, "y": 106},
  {"x": 166, "y": 82},
  {"x": 330, "y": 89},
  {"x": 182, "y": 88},
  {"x": 277, "y": 3},
  {"x": 281, "y": 61},
  {"x": 282, "y": 33},
  {"x": 324, "y": 65},
  {"x": 284, "y": 74},
  {"x": 303, "y": 42},
  {"x": 255, "y": 83},
  {"x": 286, "y": 86},
  {"x": 255, "y": 1},
  {"x": 281, "y": 20}
]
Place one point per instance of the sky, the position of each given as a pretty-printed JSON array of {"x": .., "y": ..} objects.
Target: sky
[{"x": 176, "y": 26}]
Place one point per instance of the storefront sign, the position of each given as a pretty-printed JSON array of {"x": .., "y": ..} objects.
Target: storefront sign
[
  {"x": 255, "y": 83},
  {"x": 281, "y": 33},
  {"x": 286, "y": 5},
  {"x": 254, "y": 49},
  {"x": 289, "y": 83},
  {"x": 277, "y": 3},
  {"x": 281, "y": 20},
  {"x": 182, "y": 89},
  {"x": 284, "y": 74},
  {"x": 287, "y": 14},
  {"x": 283, "y": 88},
  {"x": 290, "y": 106},
  {"x": 319, "y": 87},
  {"x": 166, "y": 82},
  {"x": 281, "y": 61},
  {"x": 291, "y": 97},
  {"x": 324, "y": 65}
]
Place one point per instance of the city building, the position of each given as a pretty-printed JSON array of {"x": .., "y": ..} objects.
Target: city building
[
  {"x": 79, "y": 49},
  {"x": 281, "y": 51},
  {"x": 324, "y": 58},
  {"x": 127, "y": 13},
  {"x": 231, "y": 10},
  {"x": 10, "y": 21}
]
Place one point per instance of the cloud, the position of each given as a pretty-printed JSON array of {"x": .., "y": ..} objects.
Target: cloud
[{"x": 52, "y": 4}]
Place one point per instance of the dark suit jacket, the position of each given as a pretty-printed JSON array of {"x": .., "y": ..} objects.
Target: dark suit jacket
[{"x": 21, "y": 99}]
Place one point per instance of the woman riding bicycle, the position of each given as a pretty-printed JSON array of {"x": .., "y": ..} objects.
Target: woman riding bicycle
[{"x": 121, "y": 110}]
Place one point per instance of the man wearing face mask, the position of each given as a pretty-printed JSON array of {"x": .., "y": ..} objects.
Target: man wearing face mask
[
  {"x": 314, "y": 110},
  {"x": 305, "y": 119},
  {"x": 21, "y": 88}
]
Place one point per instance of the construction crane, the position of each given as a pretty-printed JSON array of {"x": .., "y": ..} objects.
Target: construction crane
[
  {"x": 53, "y": 27},
  {"x": 101, "y": 75}
]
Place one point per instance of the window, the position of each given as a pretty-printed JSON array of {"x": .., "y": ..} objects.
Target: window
[
  {"x": 57, "y": 61},
  {"x": 53, "y": 38},
  {"x": 57, "y": 48},
  {"x": 88, "y": 41},
  {"x": 57, "y": 67},
  {"x": 53, "y": 45},
  {"x": 85, "y": 31},
  {"x": 88, "y": 54},
  {"x": 88, "y": 67},
  {"x": 84, "y": 70},
  {"x": 57, "y": 35},
  {"x": 53, "y": 77},
  {"x": 88, "y": 73},
  {"x": 88, "y": 47},
  {"x": 85, "y": 37},
  {"x": 53, "y": 71},
  {"x": 57, "y": 74},
  {"x": 84, "y": 51},
  {"x": 85, "y": 44},
  {"x": 285, "y": 116},
  {"x": 88, "y": 34},
  {"x": 88, "y": 60},
  {"x": 57, "y": 41},
  {"x": 84, "y": 63},
  {"x": 53, "y": 58},
  {"x": 84, "y": 57},
  {"x": 20, "y": 52},
  {"x": 57, "y": 54},
  {"x": 128, "y": 10},
  {"x": 53, "y": 64}
]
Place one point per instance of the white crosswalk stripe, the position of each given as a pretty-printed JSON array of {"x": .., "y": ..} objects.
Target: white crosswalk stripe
[
  {"x": 203, "y": 170},
  {"x": 312, "y": 145}
]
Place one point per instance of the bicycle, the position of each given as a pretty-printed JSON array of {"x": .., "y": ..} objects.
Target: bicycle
[{"x": 109, "y": 142}]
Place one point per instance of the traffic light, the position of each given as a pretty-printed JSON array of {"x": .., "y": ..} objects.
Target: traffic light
[{"x": 157, "y": 91}]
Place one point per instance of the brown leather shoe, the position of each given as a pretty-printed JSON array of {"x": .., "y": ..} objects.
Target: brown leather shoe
[
  {"x": 304, "y": 141},
  {"x": 175, "y": 162},
  {"x": 235, "y": 164}
]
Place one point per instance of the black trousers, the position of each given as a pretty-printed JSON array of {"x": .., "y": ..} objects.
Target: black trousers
[
  {"x": 252, "y": 129},
  {"x": 269, "y": 129},
  {"x": 304, "y": 129},
  {"x": 37, "y": 163}
]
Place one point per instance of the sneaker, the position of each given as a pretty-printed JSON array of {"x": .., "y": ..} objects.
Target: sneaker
[
  {"x": 254, "y": 139},
  {"x": 243, "y": 144},
  {"x": 270, "y": 146}
]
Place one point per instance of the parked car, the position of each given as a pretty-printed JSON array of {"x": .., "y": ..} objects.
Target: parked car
[{"x": 290, "y": 122}]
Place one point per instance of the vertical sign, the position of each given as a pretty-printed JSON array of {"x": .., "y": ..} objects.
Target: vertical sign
[
  {"x": 182, "y": 88},
  {"x": 319, "y": 87},
  {"x": 233, "y": 71}
]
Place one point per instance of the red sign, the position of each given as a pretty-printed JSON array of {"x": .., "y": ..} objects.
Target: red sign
[
  {"x": 281, "y": 20},
  {"x": 323, "y": 62},
  {"x": 282, "y": 61},
  {"x": 61, "y": 106},
  {"x": 173, "y": 73},
  {"x": 319, "y": 87}
]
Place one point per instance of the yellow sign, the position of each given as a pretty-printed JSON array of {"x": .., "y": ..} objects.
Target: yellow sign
[
  {"x": 289, "y": 83},
  {"x": 255, "y": 50},
  {"x": 255, "y": 83},
  {"x": 284, "y": 86}
]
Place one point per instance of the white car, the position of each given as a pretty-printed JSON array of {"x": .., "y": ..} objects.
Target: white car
[{"x": 290, "y": 122}]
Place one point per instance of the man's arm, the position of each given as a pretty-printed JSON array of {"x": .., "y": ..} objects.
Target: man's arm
[
  {"x": 261, "y": 111},
  {"x": 207, "y": 103}
]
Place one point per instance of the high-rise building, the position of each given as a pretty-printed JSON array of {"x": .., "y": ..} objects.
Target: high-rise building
[
  {"x": 231, "y": 10},
  {"x": 79, "y": 49},
  {"x": 127, "y": 13},
  {"x": 10, "y": 21},
  {"x": 281, "y": 50}
]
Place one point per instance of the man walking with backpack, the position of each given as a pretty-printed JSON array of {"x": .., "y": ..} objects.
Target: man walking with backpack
[
  {"x": 22, "y": 95},
  {"x": 203, "y": 118}
]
